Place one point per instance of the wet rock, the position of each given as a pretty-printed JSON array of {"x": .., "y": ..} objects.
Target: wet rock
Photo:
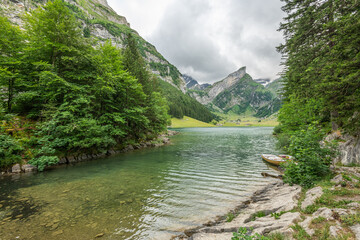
[
  {"x": 16, "y": 168},
  {"x": 212, "y": 236},
  {"x": 111, "y": 152},
  {"x": 129, "y": 148},
  {"x": 311, "y": 196},
  {"x": 63, "y": 160},
  {"x": 71, "y": 159},
  {"x": 100, "y": 235},
  {"x": 28, "y": 168},
  {"x": 172, "y": 133},
  {"x": 59, "y": 232},
  {"x": 166, "y": 140}
]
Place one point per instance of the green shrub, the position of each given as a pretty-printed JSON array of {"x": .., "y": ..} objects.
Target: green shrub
[
  {"x": 230, "y": 216},
  {"x": 312, "y": 160},
  {"x": 351, "y": 219},
  {"x": 43, "y": 161},
  {"x": 10, "y": 150},
  {"x": 243, "y": 234}
]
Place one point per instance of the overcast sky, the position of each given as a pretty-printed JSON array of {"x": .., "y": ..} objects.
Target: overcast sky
[{"x": 209, "y": 39}]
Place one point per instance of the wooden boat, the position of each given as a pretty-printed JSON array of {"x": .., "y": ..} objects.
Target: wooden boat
[{"x": 275, "y": 159}]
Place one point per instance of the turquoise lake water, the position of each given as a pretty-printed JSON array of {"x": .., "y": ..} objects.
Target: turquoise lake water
[{"x": 146, "y": 194}]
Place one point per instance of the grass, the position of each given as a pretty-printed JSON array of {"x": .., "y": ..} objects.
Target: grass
[
  {"x": 188, "y": 122},
  {"x": 246, "y": 120},
  {"x": 229, "y": 121}
]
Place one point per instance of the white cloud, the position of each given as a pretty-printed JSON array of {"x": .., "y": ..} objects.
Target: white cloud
[{"x": 208, "y": 39}]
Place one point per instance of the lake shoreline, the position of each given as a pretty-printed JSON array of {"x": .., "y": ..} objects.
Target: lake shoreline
[
  {"x": 262, "y": 196},
  {"x": 161, "y": 140},
  {"x": 278, "y": 209}
]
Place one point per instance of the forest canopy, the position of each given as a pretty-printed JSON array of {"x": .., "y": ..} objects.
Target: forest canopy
[
  {"x": 321, "y": 82},
  {"x": 62, "y": 96}
]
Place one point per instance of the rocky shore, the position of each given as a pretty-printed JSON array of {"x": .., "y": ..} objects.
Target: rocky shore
[
  {"x": 158, "y": 142},
  {"x": 331, "y": 211}
]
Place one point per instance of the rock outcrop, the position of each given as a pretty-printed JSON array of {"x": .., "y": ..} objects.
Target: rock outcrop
[
  {"x": 273, "y": 198},
  {"x": 238, "y": 93},
  {"x": 192, "y": 84},
  {"x": 348, "y": 148},
  {"x": 311, "y": 196}
]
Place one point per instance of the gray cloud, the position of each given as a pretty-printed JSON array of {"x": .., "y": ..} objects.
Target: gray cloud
[{"x": 208, "y": 39}]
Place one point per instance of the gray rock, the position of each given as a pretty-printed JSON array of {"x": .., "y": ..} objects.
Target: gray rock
[
  {"x": 324, "y": 212},
  {"x": 71, "y": 159},
  {"x": 212, "y": 236},
  {"x": 306, "y": 225},
  {"x": 275, "y": 197},
  {"x": 353, "y": 205},
  {"x": 63, "y": 160},
  {"x": 356, "y": 230},
  {"x": 28, "y": 168},
  {"x": 129, "y": 148},
  {"x": 343, "y": 212},
  {"x": 337, "y": 179},
  {"x": 311, "y": 196},
  {"x": 334, "y": 230},
  {"x": 111, "y": 152},
  {"x": 348, "y": 148},
  {"x": 16, "y": 168}
]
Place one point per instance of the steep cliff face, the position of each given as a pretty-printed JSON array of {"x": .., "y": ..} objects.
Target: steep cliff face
[
  {"x": 348, "y": 148},
  {"x": 100, "y": 21},
  {"x": 240, "y": 94}
]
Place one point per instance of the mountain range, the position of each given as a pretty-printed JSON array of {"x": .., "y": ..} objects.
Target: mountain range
[
  {"x": 100, "y": 22},
  {"x": 240, "y": 94},
  {"x": 237, "y": 93}
]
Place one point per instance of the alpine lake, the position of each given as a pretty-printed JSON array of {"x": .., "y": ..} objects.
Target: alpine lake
[{"x": 152, "y": 193}]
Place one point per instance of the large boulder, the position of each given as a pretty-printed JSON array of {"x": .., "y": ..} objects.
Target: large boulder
[{"x": 16, "y": 168}]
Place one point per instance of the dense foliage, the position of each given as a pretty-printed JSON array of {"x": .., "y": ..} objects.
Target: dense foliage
[
  {"x": 72, "y": 97},
  {"x": 183, "y": 105},
  {"x": 322, "y": 77},
  {"x": 321, "y": 80}
]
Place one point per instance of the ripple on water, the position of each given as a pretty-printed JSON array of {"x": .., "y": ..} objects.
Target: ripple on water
[{"x": 147, "y": 194}]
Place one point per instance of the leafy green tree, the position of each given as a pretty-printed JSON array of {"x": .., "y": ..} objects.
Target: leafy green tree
[
  {"x": 322, "y": 59},
  {"x": 11, "y": 69},
  {"x": 322, "y": 81},
  {"x": 135, "y": 64}
]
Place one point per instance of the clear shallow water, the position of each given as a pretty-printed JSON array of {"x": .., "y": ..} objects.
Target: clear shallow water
[{"x": 147, "y": 194}]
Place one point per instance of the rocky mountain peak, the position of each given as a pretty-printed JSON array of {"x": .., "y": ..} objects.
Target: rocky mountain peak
[{"x": 239, "y": 73}]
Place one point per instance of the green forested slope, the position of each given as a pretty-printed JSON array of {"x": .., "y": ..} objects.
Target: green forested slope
[
  {"x": 183, "y": 105},
  {"x": 62, "y": 96},
  {"x": 321, "y": 81}
]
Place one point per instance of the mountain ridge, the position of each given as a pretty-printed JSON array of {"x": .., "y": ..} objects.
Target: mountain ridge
[
  {"x": 240, "y": 94},
  {"x": 99, "y": 20}
]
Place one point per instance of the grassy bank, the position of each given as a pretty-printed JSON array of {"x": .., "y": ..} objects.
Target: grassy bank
[
  {"x": 188, "y": 122},
  {"x": 232, "y": 121}
]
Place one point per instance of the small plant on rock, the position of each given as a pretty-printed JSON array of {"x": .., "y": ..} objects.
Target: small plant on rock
[{"x": 243, "y": 234}]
